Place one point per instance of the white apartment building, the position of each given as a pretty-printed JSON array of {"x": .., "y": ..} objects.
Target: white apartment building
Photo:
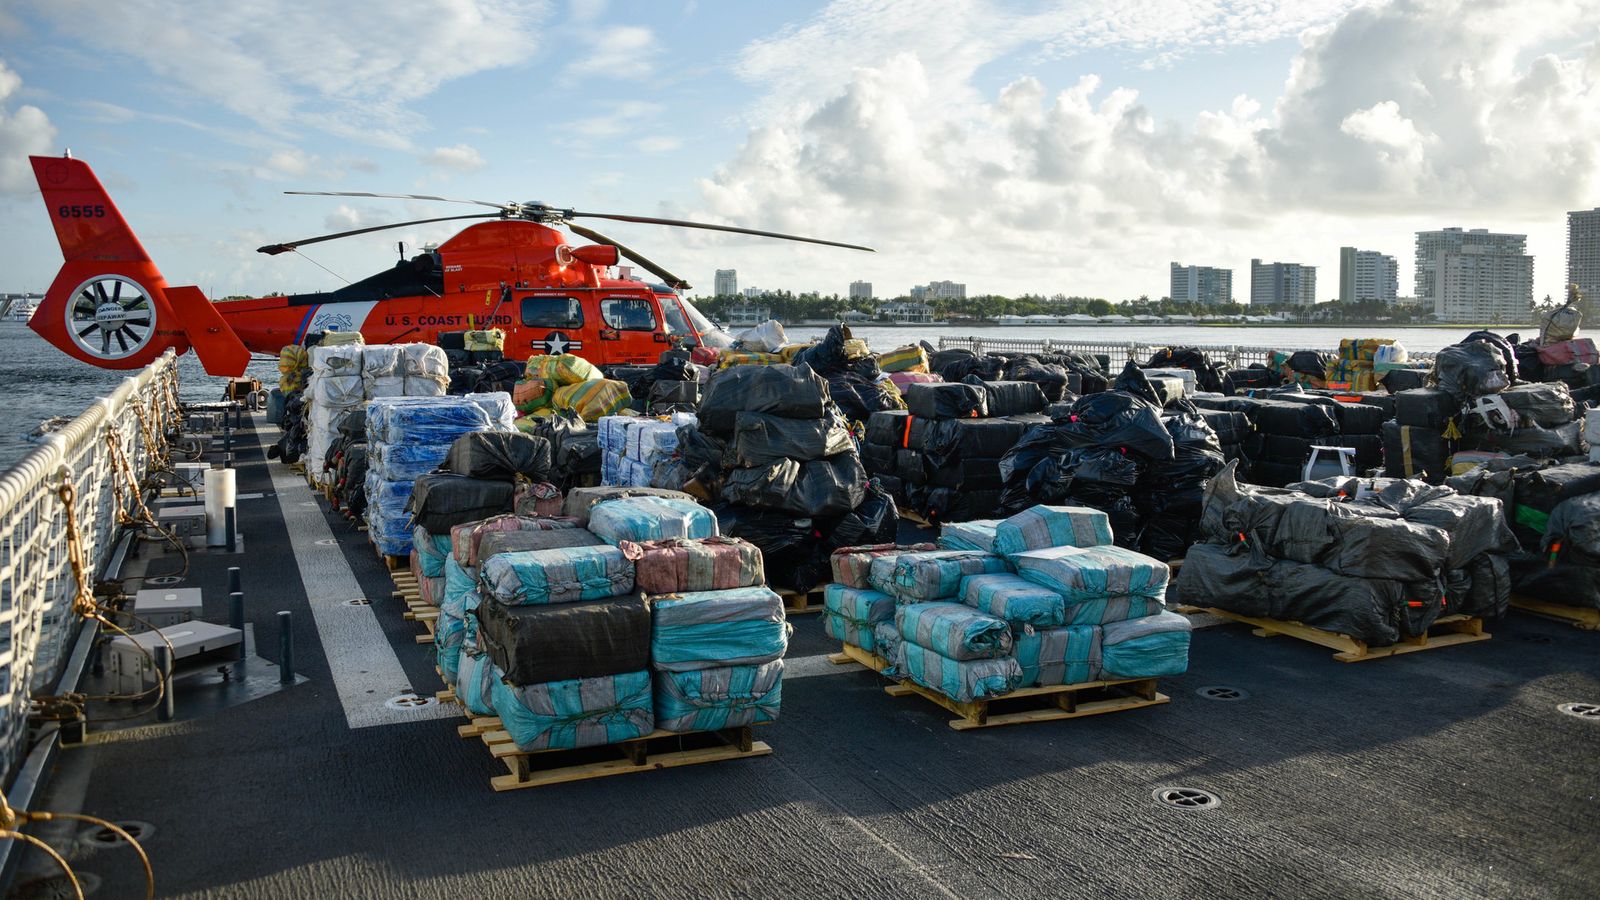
[
  {"x": 1201, "y": 284},
  {"x": 860, "y": 290},
  {"x": 1583, "y": 261},
  {"x": 1431, "y": 243},
  {"x": 1479, "y": 283},
  {"x": 727, "y": 284},
  {"x": 1367, "y": 275},
  {"x": 1282, "y": 284}
]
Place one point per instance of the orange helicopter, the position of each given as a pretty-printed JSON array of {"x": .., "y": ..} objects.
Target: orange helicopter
[{"x": 110, "y": 306}]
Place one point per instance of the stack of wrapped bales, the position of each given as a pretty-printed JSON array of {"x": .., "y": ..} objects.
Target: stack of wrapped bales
[
  {"x": 1040, "y": 598},
  {"x": 567, "y": 383},
  {"x": 1375, "y": 559},
  {"x": 408, "y": 437},
  {"x": 1284, "y": 426},
  {"x": 335, "y": 388},
  {"x": 405, "y": 370},
  {"x": 641, "y": 451},
  {"x": 1567, "y": 570},
  {"x": 574, "y": 447}
]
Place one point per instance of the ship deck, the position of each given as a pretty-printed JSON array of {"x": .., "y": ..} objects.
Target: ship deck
[{"x": 1438, "y": 774}]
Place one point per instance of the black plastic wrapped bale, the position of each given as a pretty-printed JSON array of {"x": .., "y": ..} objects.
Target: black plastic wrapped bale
[
  {"x": 875, "y": 521},
  {"x": 1482, "y": 588},
  {"x": 1359, "y": 418},
  {"x": 1273, "y": 474},
  {"x": 1368, "y": 447},
  {"x": 561, "y": 641},
  {"x": 820, "y": 488},
  {"x": 442, "y": 500},
  {"x": 761, "y": 439},
  {"x": 673, "y": 394},
  {"x": 1544, "y": 489},
  {"x": 1542, "y": 443},
  {"x": 888, "y": 427},
  {"x": 1211, "y": 377},
  {"x": 952, "y": 439},
  {"x": 794, "y": 392},
  {"x": 1504, "y": 346},
  {"x": 859, "y": 396},
  {"x": 1255, "y": 376},
  {"x": 500, "y": 455},
  {"x": 1412, "y": 452},
  {"x": 1288, "y": 417},
  {"x": 947, "y": 401},
  {"x": 988, "y": 368},
  {"x": 1573, "y": 585},
  {"x": 1426, "y": 408},
  {"x": 960, "y": 505},
  {"x": 1547, "y": 404},
  {"x": 1116, "y": 419},
  {"x": 878, "y": 459},
  {"x": 1052, "y": 379},
  {"x": 1396, "y": 381},
  {"x": 1231, "y": 427},
  {"x": 1282, "y": 448},
  {"x": 831, "y": 355},
  {"x": 1012, "y": 398},
  {"x": 1310, "y": 363},
  {"x": 910, "y": 466},
  {"x": 976, "y": 473},
  {"x": 1576, "y": 374},
  {"x": 1586, "y": 397},
  {"x": 1476, "y": 525},
  {"x": 1470, "y": 370}
]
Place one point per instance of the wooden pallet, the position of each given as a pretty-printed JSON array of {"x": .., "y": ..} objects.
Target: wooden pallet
[
  {"x": 1585, "y": 617},
  {"x": 659, "y": 750},
  {"x": 798, "y": 602},
  {"x": 299, "y": 468},
  {"x": 1446, "y": 632},
  {"x": 417, "y": 610},
  {"x": 1023, "y": 705}
]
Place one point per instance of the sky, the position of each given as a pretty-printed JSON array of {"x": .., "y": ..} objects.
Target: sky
[{"x": 1017, "y": 147}]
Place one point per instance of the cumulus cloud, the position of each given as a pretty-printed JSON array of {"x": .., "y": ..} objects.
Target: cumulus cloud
[
  {"x": 342, "y": 68},
  {"x": 24, "y": 130},
  {"x": 626, "y": 51},
  {"x": 1448, "y": 109},
  {"x": 461, "y": 157}
]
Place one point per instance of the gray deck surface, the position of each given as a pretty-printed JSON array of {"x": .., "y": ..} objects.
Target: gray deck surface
[{"x": 1447, "y": 773}]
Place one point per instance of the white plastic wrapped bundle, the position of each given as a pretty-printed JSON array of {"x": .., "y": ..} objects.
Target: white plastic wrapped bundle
[
  {"x": 380, "y": 372},
  {"x": 425, "y": 370},
  {"x": 335, "y": 388},
  {"x": 502, "y": 412}
]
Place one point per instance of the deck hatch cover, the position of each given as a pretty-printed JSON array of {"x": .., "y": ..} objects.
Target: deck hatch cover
[
  {"x": 1590, "y": 711},
  {"x": 1187, "y": 798},
  {"x": 1223, "y": 692}
]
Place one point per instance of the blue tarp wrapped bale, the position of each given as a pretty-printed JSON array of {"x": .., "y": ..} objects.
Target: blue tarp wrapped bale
[
  {"x": 850, "y": 614},
  {"x": 404, "y": 462},
  {"x": 934, "y": 575},
  {"x": 886, "y": 635},
  {"x": 432, "y": 549},
  {"x": 557, "y": 576},
  {"x": 458, "y": 580},
  {"x": 1081, "y": 574},
  {"x": 641, "y": 519},
  {"x": 455, "y": 629},
  {"x": 425, "y": 420},
  {"x": 960, "y": 680},
  {"x": 580, "y": 712},
  {"x": 852, "y": 566},
  {"x": 388, "y": 523},
  {"x": 1014, "y": 599},
  {"x": 1052, "y": 526},
  {"x": 711, "y": 629},
  {"x": 954, "y": 630},
  {"x": 1148, "y": 647},
  {"x": 977, "y": 534},
  {"x": 475, "y": 683},
  {"x": 712, "y": 699}
]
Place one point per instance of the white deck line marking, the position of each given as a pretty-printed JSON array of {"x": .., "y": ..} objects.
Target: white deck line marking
[
  {"x": 366, "y": 671},
  {"x": 812, "y": 666}
]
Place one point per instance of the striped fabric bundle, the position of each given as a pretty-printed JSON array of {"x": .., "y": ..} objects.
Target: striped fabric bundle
[
  {"x": 497, "y": 542},
  {"x": 954, "y": 630},
  {"x": 934, "y": 575},
  {"x": 431, "y": 590},
  {"x": 1080, "y": 574},
  {"x": 464, "y": 539},
  {"x": 1068, "y": 655},
  {"x": 960, "y": 680},
  {"x": 558, "y": 576},
  {"x": 458, "y": 580},
  {"x": 851, "y": 565},
  {"x": 475, "y": 680},
  {"x": 452, "y": 628},
  {"x": 1052, "y": 526},
  {"x": 592, "y": 399},
  {"x": 580, "y": 712},
  {"x": 887, "y": 638},
  {"x": 850, "y": 614},
  {"x": 431, "y": 550},
  {"x": 651, "y": 519},
  {"x": 977, "y": 534},
  {"x": 1146, "y": 647},
  {"x": 1014, "y": 599},
  {"x": 678, "y": 566},
  {"x": 713, "y": 699},
  {"x": 711, "y": 629}
]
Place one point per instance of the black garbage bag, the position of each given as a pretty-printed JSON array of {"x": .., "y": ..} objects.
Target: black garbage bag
[
  {"x": 1575, "y": 524},
  {"x": 959, "y": 504},
  {"x": 859, "y": 396},
  {"x": 1051, "y": 379},
  {"x": 1010, "y": 398},
  {"x": 1117, "y": 419},
  {"x": 1486, "y": 591},
  {"x": 1470, "y": 370},
  {"x": 1132, "y": 380},
  {"x": 790, "y": 545},
  {"x": 947, "y": 401},
  {"x": 574, "y": 447},
  {"x": 795, "y": 392},
  {"x": 1529, "y": 366},
  {"x": 875, "y": 521},
  {"x": 442, "y": 500},
  {"x": 938, "y": 359},
  {"x": 888, "y": 427},
  {"x": 1099, "y": 476},
  {"x": 500, "y": 455},
  {"x": 1210, "y": 376},
  {"x": 1562, "y": 440},
  {"x": 1546, "y": 405},
  {"x": 988, "y": 368},
  {"x": 1255, "y": 375},
  {"x": 1570, "y": 585},
  {"x": 819, "y": 488},
  {"x": 1505, "y": 346},
  {"x": 827, "y": 356},
  {"x": 1313, "y": 363},
  {"x": 1396, "y": 380},
  {"x": 760, "y": 439},
  {"x": 945, "y": 440}
]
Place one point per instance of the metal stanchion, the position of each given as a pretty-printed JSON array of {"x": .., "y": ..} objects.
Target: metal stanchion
[{"x": 168, "y": 707}]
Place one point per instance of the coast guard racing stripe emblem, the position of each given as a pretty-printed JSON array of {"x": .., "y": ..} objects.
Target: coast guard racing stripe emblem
[{"x": 556, "y": 343}]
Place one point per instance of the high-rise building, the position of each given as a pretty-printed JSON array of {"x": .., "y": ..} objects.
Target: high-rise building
[
  {"x": 1282, "y": 284},
  {"x": 1431, "y": 243},
  {"x": 1201, "y": 284},
  {"x": 1479, "y": 283},
  {"x": 946, "y": 290},
  {"x": 727, "y": 282},
  {"x": 1367, "y": 275},
  {"x": 860, "y": 290},
  {"x": 1583, "y": 261}
]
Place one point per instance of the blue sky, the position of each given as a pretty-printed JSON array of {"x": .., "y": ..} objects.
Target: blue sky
[{"x": 1018, "y": 147}]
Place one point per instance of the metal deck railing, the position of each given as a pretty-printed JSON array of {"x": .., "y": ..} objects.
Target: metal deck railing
[
  {"x": 37, "y": 585},
  {"x": 1235, "y": 355}
]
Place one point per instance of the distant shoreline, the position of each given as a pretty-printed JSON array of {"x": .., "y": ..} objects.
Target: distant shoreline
[{"x": 1473, "y": 326}]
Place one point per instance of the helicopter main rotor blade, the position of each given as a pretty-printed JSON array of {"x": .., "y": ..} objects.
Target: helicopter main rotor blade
[
  {"x": 275, "y": 249},
  {"x": 672, "y": 280},
  {"x": 650, "y": 220},
  {"x": 395, "y": 197}
]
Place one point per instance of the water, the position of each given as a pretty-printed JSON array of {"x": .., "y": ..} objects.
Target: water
[{"x": 40, "y": 381}]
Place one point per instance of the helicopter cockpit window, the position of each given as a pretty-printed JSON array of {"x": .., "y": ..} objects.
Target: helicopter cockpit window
[
  {"x": 552, "y": 312},
  {"x": 628, "y": 314},
  {"x": 676, "y": 324}
]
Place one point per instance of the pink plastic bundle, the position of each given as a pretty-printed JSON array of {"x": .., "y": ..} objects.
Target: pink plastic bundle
[
  {"x": 678, "y": 566},
  {"x": 431, "y": 589},
  {"x": 542, "y": 499},
  {"x": 464, "y": 538},
  {"x": 850, "y": 564},
  {"x": 901, "y": 379}
]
